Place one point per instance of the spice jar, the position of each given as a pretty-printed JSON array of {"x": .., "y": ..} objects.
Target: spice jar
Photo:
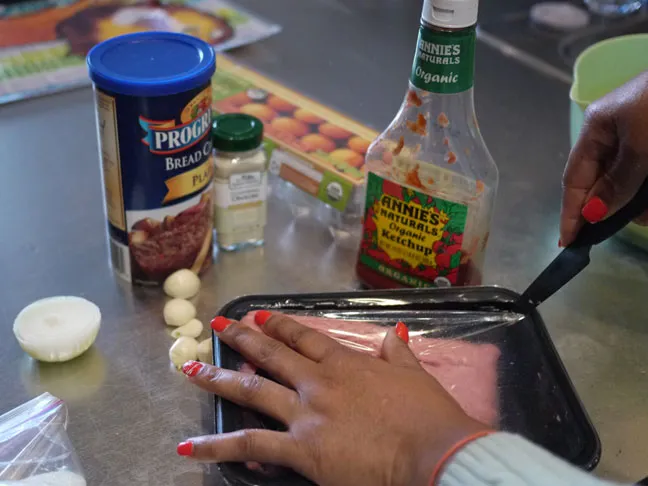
[{"x": 240, "y": 181}]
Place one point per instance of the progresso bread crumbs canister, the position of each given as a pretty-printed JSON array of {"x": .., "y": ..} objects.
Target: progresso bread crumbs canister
[{"x": 153, "y": 104}]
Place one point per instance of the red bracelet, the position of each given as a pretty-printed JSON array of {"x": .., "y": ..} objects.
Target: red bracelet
[{"x": 436, "y": 474}]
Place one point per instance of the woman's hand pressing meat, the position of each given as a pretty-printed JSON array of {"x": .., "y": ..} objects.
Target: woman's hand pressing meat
[
  {"x": 351, "y": 419},
  {"x": 610, "y": 160}
]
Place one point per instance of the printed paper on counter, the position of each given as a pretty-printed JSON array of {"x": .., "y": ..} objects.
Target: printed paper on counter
[{"x": 43, "y": 43}]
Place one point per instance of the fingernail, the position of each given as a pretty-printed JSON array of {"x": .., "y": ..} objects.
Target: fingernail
[
  {"x": 185, "y": 448},
  {"x": 220, "y": 323},
  {"x": 402, "y": 332},
  {"x": 192, "y": 368},
  {"x": 595, "y": 210},
  {"x": 560, "y": 244},
  {"x": 262, "y": 316}
]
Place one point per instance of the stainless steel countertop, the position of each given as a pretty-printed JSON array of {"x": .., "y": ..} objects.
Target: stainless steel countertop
[{"x": 128, "y": 409}]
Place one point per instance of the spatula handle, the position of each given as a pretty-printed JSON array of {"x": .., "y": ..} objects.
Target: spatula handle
[{"x": 593, "y": 234}]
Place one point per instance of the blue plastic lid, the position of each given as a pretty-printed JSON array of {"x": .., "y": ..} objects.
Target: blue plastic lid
[{"x": 151, "y": 63}]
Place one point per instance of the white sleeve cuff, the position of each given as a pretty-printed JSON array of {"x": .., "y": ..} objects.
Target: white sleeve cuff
[{"x": 503, "y": 459}]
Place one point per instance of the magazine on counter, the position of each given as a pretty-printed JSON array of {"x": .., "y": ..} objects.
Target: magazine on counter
[{"x": 43, "y": 43}]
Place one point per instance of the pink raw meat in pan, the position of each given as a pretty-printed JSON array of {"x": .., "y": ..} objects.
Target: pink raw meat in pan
[
  {"x": 474, "y": 388},
  {"x": 466, "y": 370}
]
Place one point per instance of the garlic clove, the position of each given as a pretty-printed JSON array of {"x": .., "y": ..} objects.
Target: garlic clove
[
  {"x": 57, "y": 329},
  {"x": 183, "y": 284},
  {"x": 177, "y": 312},
  {"x": 193, "y": 329},
  {"x": 206, "y": 351},
  {"x": 183, "y": 350}
]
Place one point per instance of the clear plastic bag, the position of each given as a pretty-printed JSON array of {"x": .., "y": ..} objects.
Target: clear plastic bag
[{"x": 34, "y": 446}]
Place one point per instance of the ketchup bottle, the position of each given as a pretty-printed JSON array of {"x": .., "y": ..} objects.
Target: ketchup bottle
[{"x": 431, "y": 182}]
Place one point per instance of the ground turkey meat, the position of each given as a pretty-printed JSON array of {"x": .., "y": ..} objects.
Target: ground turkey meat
[{"x": 467, "y": 371}]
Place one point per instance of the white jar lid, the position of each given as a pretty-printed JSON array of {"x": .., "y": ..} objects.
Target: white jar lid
[
  {"x": 450, "y": 14},
  {"x": 57, "y": 329},
  {"x": 559, "y": 15}
]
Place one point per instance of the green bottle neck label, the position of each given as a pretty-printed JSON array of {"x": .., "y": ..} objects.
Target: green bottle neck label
[{"x": 444, "y": 61}]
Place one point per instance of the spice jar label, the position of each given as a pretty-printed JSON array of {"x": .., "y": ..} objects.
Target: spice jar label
[
  {"x": 247, "y": 188},
  {"x": 412, "y": 237}
]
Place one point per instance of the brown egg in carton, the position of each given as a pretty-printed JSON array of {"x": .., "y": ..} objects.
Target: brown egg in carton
[{"x": 307, "y": 129}]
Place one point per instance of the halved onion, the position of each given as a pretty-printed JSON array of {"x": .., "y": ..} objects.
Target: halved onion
[{"x": 57, "y": 329}]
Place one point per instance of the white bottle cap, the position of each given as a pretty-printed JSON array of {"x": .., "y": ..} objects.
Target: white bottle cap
[
  {"x": 450, "y": 14},
  {"x": 559, "y": 15}
]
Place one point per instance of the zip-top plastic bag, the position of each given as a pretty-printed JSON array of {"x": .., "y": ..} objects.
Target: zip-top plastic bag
[{"x": 35, "y": 448}]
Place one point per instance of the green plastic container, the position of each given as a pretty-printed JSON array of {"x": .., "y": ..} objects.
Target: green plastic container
[{"x": 600, "y": 69}]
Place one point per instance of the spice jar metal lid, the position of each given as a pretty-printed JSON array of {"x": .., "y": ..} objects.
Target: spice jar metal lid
[
  {"x": 237, "y": 132},
  {"x": 151, "y": 64}
]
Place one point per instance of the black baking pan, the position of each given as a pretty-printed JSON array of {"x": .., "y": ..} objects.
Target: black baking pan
[{"x": 536, "y": 397}]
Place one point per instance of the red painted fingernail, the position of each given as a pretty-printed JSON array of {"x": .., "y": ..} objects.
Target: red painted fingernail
[
  {"x": 220, "y": 323},
  {"x": 402, "y": 332},
  {"x": 262, "y": 316},
  {"x": 560, "y": 244},
  {"x": 595, "y": 210},
  {"x": 185, "y": 448},
  {"x": 192, "y": 368}
]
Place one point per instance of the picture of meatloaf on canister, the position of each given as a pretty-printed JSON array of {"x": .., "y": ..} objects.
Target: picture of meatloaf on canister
[{"x": 158, "y": 248}]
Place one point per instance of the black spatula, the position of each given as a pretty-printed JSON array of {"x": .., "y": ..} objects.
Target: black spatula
[{"x": 576, "y": 256}]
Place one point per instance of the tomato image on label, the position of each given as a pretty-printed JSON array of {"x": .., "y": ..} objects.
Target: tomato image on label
[{"x": 412, "y": 237}]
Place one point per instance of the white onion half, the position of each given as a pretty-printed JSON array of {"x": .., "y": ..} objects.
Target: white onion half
[{"x": 57, "y": 329}]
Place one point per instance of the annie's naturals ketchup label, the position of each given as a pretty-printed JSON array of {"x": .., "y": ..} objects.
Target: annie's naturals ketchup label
[
  {"x": 157, "y": 172},
  {"x": 412, "y": 237},
  {"x": 444, "y": 61}
]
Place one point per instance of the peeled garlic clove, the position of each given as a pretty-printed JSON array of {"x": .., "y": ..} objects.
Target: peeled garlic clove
[
  {"x": 177, "y": 312},
  {"x": 57, "y": 329},
  {"x": 192, "y": 329},
  {"x": 182, "y": 284},
  {"x": 183, "y": 350},
  {"x": 205, "y": 351}
]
